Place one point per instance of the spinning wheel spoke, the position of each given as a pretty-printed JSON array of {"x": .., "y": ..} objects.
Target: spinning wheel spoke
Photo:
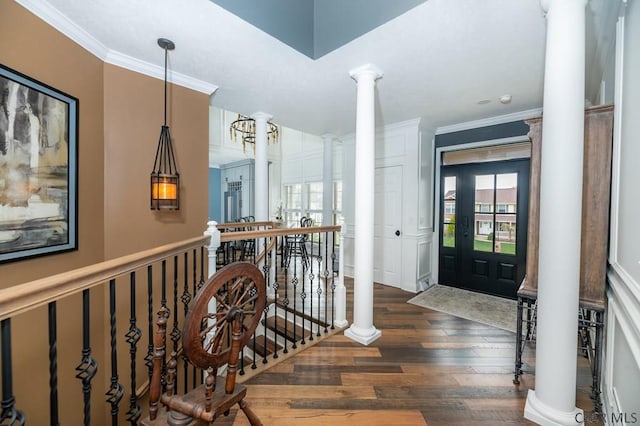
[{"x": 237, "y": 289}]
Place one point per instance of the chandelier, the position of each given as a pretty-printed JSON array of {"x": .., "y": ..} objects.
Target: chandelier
[{"x": 245, "y": 128}]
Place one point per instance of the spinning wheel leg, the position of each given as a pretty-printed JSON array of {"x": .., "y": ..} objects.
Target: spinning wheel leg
[{"x": 253, "y": 419}]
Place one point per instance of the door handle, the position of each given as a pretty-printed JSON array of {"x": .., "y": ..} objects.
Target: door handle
[{"x": 397, "y": 232}]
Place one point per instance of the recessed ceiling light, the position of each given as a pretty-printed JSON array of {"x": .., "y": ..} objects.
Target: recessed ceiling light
[
  {"x": 484, "y": 101},
  {"x": 505, "y": 99}
]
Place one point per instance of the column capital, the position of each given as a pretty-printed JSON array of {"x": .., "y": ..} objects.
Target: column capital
[
  {"x": 366, "y": 70},
  {"x": 546, "y": 4},
  {"x": 261, "y": 116},
  {"x": 328, "y": 137}
]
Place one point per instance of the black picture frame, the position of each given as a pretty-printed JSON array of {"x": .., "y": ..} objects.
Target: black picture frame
[{"x": 38, "y": 168}]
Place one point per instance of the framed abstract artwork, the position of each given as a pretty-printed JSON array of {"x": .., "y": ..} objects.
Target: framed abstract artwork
[{"x": 38, "y": 168}]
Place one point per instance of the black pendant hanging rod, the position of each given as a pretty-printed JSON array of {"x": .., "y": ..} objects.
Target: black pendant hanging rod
[{"x": 167, "y": 45}]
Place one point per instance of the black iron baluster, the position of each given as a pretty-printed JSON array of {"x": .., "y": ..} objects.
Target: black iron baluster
[
  {"x": 294, "y": 283},
  {"x": 163, "y": 306},
  {"x": 175, "y": 331},
  {"x": 148, "y": 359},
  {"x": 333, "y": 280},
  {"x": 186, "y": 298},
  {"x": 133, "y": 336},
  {"x": 326, "y": 279},
  {"x": 311, "y": 277},
  {"x": 87, "y": 368},
  {"x": 9, "y": 415},
  {"x": 115, "y": 392},
  {"x": 276, "y": 288},
  {"x": 194, "y": 372},
  {"x": 53, "y": 364},
  {"x": 196, "y": 283},
  {"x": 163, "y": 296},
  {"x": 319, "y": 290},
  {"x": 264, "y": 322},
  {"x": 202, "y": 267},
  {"x": 253, "y": 349},
  {"x": 303, "y": 295}
]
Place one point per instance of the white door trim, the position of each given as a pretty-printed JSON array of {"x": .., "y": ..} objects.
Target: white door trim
[{"x": 435, "y": 259}]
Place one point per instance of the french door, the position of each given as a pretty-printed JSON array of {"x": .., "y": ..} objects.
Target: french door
[{"x": 483, "y": 226}]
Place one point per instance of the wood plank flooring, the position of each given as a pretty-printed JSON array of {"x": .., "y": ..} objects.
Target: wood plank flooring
[{"x": 427, "y": 368}]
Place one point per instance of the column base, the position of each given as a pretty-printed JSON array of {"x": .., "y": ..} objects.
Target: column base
[
  {"x": 540, "y": 413},
  {"x": 363, "y": 336},
  {"x": 341, "y": 323},
  {"x": 340, "y": 304}
]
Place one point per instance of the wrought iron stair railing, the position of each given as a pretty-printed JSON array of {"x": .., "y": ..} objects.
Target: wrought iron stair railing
[
  {"x": 79, "y": 345},
  {"x": 304, "y": 286}
]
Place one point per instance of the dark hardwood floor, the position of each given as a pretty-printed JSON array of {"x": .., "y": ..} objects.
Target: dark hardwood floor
[{"x": 427, "y": 368}]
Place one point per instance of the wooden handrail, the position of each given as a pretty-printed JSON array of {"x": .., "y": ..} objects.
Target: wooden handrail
[
  {"x": 249, "y": 235},
  {"x": 228, "y": 225},
  {"x": 24, "y": 297}
]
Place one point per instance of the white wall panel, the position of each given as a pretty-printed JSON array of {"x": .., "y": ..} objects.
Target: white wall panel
[{"x": 621, "y": 382}]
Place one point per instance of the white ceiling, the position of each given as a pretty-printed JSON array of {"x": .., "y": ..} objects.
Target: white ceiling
[{"x": 439, "y": 59}]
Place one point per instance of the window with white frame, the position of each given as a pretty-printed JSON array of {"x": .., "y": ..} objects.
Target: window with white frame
[
  {"x": 337, "y": 202},
  {"x": 292, "y": 205},
  {"x": 313, "y": 205}
]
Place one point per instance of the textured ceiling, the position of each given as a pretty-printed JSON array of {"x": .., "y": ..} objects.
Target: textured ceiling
[{"x": 440, "y": 59}]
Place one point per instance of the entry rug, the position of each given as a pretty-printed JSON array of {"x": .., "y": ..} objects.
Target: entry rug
[{"x": 482, "y": 308}]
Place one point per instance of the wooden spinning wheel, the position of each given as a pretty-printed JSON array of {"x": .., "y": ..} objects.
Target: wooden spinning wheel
[
  {"x": 239, "y": 294},
  {"x": 220, "y": 321}
]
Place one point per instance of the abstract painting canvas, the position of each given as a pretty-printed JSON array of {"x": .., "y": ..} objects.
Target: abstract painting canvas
[{"x": 38, "y": 168}]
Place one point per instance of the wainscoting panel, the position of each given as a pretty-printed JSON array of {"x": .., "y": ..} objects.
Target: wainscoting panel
[{"x": 621, "y": 384}]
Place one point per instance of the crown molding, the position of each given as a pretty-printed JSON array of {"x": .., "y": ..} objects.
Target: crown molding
[
  {"x": 506, "y": 118},
  {"x": 52, "y": 16},
  {"x": 49, "y": 14},
  {"x": 133, "y": 64}
]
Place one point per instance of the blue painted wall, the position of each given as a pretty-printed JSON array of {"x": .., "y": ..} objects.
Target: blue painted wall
[
  {"x": 337, "y": 22},
  {"x": 290, "y": 21},
  {"x": 215, "y": 195},
  {"x": 316, "y": 27}
]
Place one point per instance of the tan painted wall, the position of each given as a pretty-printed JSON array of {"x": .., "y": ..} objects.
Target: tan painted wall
[
  {"x": 120, "y": 117},
  {"x": 34, "y": 48},
  {"x": 133, "y": 118}
]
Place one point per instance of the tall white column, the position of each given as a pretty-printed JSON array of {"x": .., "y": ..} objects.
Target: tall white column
[
  {"x": 553, "y": 400},
  {"x": 261, "y": 185},
  {"x": 362, "y": 330},
  {"x": 327, "y": 180}
]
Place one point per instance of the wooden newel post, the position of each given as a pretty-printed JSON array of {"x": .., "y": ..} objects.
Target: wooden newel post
[{"x": 214, "y": 243}]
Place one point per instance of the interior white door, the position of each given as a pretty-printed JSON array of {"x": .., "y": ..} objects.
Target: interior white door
[{"x": 387, "y": 226}]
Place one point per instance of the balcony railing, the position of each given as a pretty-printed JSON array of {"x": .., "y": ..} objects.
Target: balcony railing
[{"x": 78, "y": 346}]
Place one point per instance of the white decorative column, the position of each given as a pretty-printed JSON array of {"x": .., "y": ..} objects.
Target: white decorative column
[
  {"x": 553, "y": 400},
  {"x": 327, "y": 180},
  {"x": 362, "y": 330},
  {"x": 261, "y": 183}
]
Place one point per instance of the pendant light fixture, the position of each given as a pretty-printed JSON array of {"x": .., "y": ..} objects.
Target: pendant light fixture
[
  {"x": 165, "y": 179},
  {"x": 245, "y": 127}
]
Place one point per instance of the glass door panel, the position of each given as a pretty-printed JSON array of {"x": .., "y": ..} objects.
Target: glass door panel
[
  {"x": 506, "y": 213},
  {"x": 449, "y": 215},
  {"x": 483, "y": 218}
]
